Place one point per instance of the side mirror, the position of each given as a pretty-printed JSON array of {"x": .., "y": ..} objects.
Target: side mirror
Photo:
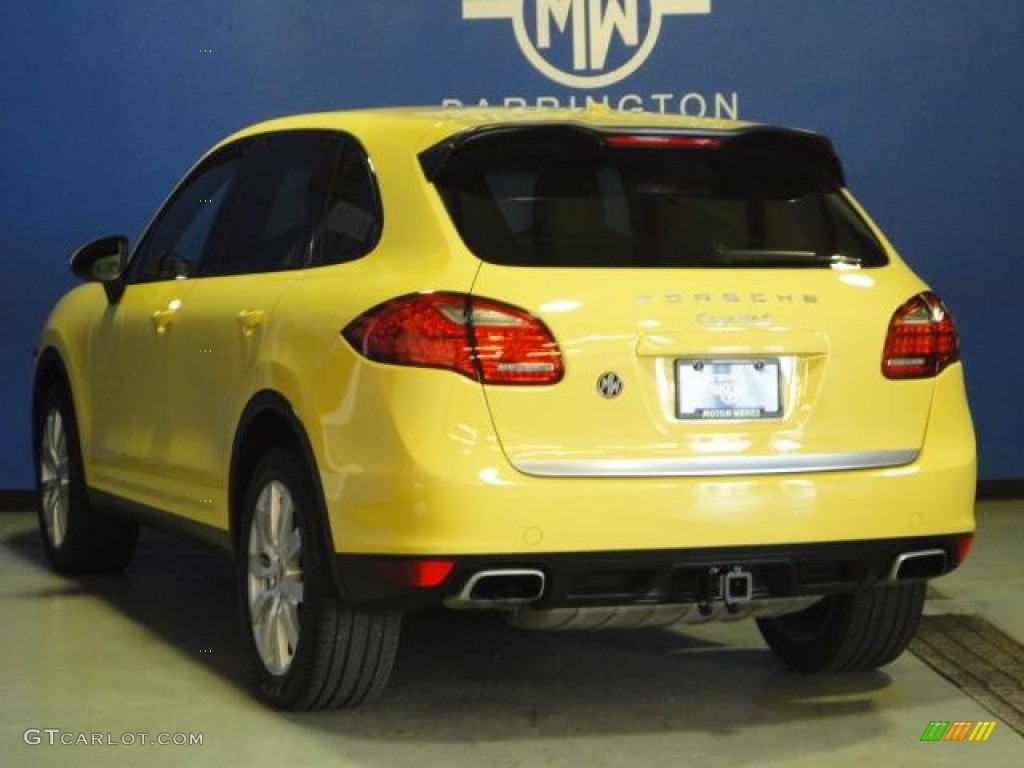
[{"x": 103, "y": 261}]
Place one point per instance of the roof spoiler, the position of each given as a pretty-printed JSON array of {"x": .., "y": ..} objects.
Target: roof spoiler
[{"x": 812, "y": 146}]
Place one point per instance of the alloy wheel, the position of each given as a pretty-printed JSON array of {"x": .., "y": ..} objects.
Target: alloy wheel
[
  {"x": 275, "y": 584},
  {"x": 55, "y": 478}
]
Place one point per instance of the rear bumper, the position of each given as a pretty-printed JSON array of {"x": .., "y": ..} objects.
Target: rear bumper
[
  {"x": 404, "y": 482},
  {"x": 655, "y": 577}
]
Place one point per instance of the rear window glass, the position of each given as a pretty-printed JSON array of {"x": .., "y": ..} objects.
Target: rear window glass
[{"x": 599, "y": 206}]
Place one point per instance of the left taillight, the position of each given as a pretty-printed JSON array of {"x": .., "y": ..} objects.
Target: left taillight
[
  {"x": 921, "y": 341},
  {"x": 482, "y": 339}
]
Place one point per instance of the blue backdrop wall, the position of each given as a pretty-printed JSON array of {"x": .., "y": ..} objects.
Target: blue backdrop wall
[{"x": 105, "y": 103}]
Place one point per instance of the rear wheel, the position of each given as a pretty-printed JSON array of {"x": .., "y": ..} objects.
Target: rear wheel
[
  {"x": 848, "y": 633},
  {"x": 311, "y": 649},
  {"x": 77, "y": 537}
]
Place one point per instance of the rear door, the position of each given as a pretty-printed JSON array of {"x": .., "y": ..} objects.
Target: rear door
[
  {"x": 221, "y": 340},
  {"x": 721, "y": 305}
]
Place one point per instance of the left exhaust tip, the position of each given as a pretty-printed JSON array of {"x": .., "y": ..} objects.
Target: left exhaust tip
[
  {"x": 923, "y": 564},
  {"x": 500, "y": 588}
]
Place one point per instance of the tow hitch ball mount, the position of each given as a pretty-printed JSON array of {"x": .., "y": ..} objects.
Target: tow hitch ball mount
[{"x": 733, "y": 585}]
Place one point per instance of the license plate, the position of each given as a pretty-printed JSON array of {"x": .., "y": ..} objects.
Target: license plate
[{"x": 728, "y": 389}]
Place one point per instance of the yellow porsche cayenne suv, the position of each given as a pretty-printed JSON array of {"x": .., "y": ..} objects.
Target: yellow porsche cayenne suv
[{"x": 586, "y": 368}]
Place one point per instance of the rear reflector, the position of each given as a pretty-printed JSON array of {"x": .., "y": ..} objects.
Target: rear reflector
[
  {"x": 921, "y": 341},
  {"x": 964, "y": 547},
  {"x": 482, "y": 339},
  {"x": 421, "y": 574},
  {"x": 654, "y": 140}
]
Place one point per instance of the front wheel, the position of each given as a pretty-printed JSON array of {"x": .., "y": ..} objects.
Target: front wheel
[
  {"x": 311, "y": 650},
  {"x": 848, "y": 633},
  {"x": 77, "y": 537}
]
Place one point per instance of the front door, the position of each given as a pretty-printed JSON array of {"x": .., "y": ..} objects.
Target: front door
[{"x": 130, "y": 372}]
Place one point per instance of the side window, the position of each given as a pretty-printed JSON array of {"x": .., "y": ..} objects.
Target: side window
[
  {"x": 351, "y": 224},
  {"x": 174, "y": 245},
  {"x": 282, "y": 193}
]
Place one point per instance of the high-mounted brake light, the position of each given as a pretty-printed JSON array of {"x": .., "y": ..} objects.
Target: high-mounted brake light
[
  {"x": 482, "y": 339},
  {"x": 656, "y": 140},
  {"x": 921, "y": 340}
]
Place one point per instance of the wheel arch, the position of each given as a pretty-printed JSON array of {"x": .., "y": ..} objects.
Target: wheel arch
[
  {"x": 269, "y": 420},
  {"x": 49, "y": 369}
]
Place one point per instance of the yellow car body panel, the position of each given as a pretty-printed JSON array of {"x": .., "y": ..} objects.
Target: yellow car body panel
[{"x": 406, "y": 480}]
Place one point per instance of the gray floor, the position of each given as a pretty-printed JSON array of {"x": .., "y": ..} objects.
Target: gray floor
[{"x": 157, "y": 651}]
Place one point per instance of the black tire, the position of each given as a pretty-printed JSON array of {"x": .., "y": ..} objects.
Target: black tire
[
  {"x": 77, "y": 538},
  {"x": 323, "y": 653},
  {"x": 848, "y": 633}
]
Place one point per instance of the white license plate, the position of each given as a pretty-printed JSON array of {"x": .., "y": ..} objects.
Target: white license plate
[{"x": 728, "y": 389}]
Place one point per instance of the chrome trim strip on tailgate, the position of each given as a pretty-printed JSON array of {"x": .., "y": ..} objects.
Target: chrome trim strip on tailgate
[{"x": 704, "y": 466}]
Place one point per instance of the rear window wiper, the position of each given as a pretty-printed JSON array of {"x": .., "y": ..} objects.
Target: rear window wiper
[{"x": 774, "y": 257}]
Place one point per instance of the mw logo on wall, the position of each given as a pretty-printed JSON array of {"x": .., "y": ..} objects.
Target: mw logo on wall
[{"x": 588, "y": 45}]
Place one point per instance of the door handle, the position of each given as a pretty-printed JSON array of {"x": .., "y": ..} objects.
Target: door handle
[
  {"x": 163, "y": 318},
  {"x": 250, "y": 320}
]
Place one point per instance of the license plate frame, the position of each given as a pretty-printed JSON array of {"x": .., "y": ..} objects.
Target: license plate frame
[{"x": 728, "y": 389}]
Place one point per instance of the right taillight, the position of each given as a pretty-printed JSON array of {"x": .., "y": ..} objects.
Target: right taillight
[
  {"x": 921, "y": 340},
  {"x": 482, "y": 339}
]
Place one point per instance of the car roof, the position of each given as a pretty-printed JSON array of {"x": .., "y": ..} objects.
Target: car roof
[{"x": 423, "y": 127}]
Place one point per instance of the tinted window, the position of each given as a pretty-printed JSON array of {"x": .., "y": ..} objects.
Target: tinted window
[
  {"x": 351, "y": 223},
  {"x": 182, "y": 233},
  {"x": 573, "y": 205},
  {"x": 281, "y": 197}
]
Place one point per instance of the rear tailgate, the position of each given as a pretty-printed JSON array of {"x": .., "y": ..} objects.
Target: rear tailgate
[{"x": 693, "y": 350}]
